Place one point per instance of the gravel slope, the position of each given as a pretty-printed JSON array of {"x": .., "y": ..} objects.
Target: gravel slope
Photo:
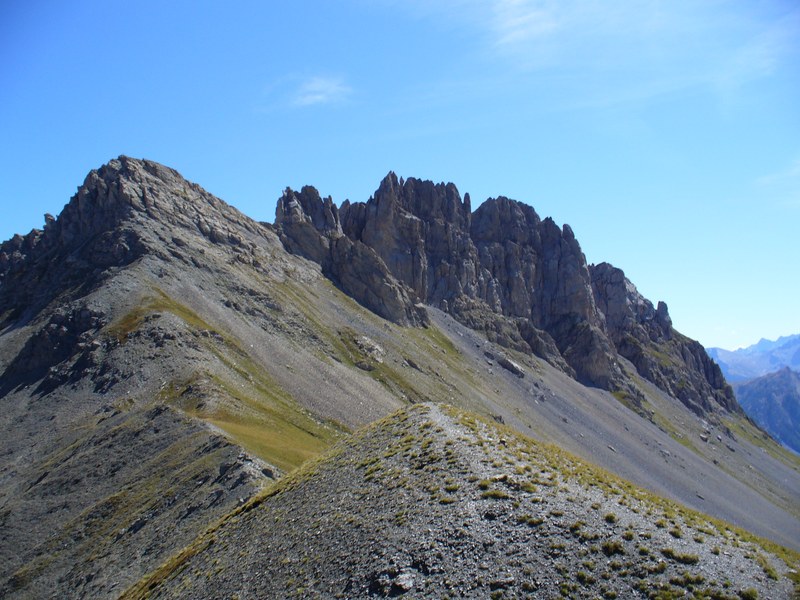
[{"x": 433, "y": 503}]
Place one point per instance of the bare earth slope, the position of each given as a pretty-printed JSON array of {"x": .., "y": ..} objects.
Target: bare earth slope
[{"x": 434, "y": 503}]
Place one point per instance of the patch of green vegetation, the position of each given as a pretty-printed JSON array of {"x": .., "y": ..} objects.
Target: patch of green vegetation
[
  {"x": 660, "y": 353},
  {"x": 530, "y": 520},
  {"x": 657, "y": 568},
  {"x": 589, "y": 536},
  {"x": 630, "y": 402},
  {"x": 765, "y": 565},
  {"x": 260, "y": 417},
  {"x": 610, "y": 548},
  {"x": 158, "y": 302},
  {"x": 23, "y": 576},
  {"x": 576, "y": 526},
  {"x": 494, "y": 494},
  {"x": 687, "y": 580},
  {"x": 584, "y": 578},
  {"x": 684, "y": 559}
]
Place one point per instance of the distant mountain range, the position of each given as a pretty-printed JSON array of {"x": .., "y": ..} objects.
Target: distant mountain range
[
  {"x": 765, "y": 357},
  {"x": 767, "y": 384},
  {"x": 773, "y": 401}
]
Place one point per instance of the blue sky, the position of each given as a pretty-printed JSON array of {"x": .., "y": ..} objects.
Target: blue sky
[{"x": 667, "y": 134}]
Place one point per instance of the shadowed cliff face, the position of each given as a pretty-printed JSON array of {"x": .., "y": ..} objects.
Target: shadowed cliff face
[{"x": 502, "y": 270}]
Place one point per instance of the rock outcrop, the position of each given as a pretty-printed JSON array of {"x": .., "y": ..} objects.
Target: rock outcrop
[
  {"x": 503, "y": 270},
  {"x": 522, "y": 280},
  {"x": 644, "y": 335},
  {"x": 309, "y": 226}
]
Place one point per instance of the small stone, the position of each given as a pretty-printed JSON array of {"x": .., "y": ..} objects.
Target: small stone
[{"x": 405, "y": 581}]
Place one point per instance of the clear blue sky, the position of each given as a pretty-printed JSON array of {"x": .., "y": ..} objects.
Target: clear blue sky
[{"x": 667, "y": 134}]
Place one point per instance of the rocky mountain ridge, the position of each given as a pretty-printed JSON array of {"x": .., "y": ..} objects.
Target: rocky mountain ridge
[
  {"x": 163, "y": 357},
  {"x": 504, "y": 271}
]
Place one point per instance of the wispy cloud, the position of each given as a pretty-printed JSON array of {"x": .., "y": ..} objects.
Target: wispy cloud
[
  {"x": 321, "y": 90},
  {"x": 774, "y": 44},
  {"x": 630, "y": 51},
  {"x": 781, "y": 187},
  {"x": 567, "y": 33},
  {"x": 521, "y": 21},
  {"x": 790, "y": 174}
]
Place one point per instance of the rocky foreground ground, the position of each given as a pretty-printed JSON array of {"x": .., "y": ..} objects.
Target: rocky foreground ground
[{"x": 434, "y": 503}]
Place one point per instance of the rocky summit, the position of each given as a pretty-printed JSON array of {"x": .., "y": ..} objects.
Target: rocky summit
[{"x": 194, "y": 404}]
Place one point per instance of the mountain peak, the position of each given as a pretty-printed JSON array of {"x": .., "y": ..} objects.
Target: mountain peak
[
  {"x": 124, "y": 210},
  {"x": 108, "y": 196},
  {"x": 420, "y": 198}
]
